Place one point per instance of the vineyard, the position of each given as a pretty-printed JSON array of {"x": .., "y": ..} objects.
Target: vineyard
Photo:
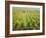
[{"x": 25, "y": 18}]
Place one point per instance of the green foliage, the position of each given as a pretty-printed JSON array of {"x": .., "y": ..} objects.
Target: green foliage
[{"x": 26, "y": 19}]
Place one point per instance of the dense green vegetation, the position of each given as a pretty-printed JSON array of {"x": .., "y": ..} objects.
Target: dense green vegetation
[{"x": 26, "y": 18}]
